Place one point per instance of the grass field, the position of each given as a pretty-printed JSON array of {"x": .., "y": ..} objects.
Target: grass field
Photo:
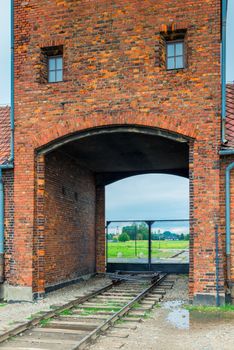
[{"x": 160, "y": 249}]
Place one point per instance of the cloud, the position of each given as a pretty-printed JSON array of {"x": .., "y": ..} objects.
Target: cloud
[{"x": 153, "y": 196}]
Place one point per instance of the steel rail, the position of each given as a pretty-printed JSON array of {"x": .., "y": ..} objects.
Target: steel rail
[
  {"x": 110, "y": 321},
  {"x": 53, "y": 313}
]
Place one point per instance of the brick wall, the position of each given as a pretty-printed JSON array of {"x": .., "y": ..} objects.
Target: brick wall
[
  {"x": 100, "y": 230},
  {"x": 69, "y": 219},
  {"x": 112, "y": 77},
  {"x": 9, "y": 264}
]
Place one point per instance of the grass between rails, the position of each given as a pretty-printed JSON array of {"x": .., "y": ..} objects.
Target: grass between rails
[
  {"x": 66, "y": 312},
  {"x": 207, "y": 309},
  {"x": 94, "y": 310},
  {"x": 45, "y": 322},
  {"x": 160, "y": 249}
]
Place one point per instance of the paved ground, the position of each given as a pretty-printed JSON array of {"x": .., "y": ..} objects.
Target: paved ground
[{"x": 171, "y": 327}]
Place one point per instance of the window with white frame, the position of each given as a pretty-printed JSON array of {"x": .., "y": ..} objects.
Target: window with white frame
[
  {"x": 55, "y": 69},
  {"x": 175, "y": 54}
]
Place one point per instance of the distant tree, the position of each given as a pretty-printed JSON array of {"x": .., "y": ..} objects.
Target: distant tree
[
  {"x": 130, "y": 230},
  {"x": 181, "y": 237},
  {"x": 143, "y": 230},
  {"x": 124, "y": 237}
]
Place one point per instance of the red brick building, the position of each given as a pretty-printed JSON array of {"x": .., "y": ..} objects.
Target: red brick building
[{"x": 104, "y": 90}]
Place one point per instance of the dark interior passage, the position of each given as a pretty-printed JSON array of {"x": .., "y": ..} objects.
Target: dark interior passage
[{"x": 75, "y": 170}]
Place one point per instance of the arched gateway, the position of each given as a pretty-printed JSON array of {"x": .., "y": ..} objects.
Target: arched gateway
[{"x": 71, "y": 175}]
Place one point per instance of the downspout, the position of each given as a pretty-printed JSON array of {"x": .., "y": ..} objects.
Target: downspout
[
  {"x": 223, "y": 71},
  {"x": 10, "y": 162},
  {"x": 228, "y": 230}
]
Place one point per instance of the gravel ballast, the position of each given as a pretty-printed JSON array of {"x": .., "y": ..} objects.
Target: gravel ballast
[{"x": 13, "y": 314}]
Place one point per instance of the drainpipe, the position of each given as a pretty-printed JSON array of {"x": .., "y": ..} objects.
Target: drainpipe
[
  {"x": 228, "y": 230},
  {"x": 223, "y": 70},
  {"x": 9, "y": 164},
  {"x": 12, "y": 115}
]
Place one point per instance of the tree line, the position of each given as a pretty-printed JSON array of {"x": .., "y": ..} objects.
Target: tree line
[{"x": 141, "y": 232}]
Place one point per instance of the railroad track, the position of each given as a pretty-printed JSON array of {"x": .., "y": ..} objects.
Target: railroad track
[{"x": 81, "y": 321}]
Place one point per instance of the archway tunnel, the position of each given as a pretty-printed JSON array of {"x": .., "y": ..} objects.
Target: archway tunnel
[{"x": 76, "y": 171}]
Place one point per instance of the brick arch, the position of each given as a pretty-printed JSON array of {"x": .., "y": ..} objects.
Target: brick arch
[
  {"x": 69, "y": 127},
  {"x": 55, "y": 137}
]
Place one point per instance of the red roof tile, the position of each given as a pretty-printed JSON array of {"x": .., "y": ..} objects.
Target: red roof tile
[
  {"x": 5, "y": 134},
  {"x": 230, "y": 115}
]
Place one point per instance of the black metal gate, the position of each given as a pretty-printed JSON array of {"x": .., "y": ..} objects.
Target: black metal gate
[{"x": 136, "y": 246}]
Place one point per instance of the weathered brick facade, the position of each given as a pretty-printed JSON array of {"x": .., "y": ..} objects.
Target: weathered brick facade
[
  {"x": 8, "y": 177},
  {"x": 69, "y": 220},
  {"x": 114, "y": 74}
]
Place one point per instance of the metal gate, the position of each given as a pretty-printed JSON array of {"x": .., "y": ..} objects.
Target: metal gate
[{"x": 152, "y": 245}]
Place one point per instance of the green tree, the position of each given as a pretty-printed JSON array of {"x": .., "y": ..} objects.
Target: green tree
[
  {"x": 130, "y": 230},
  {"x": 124, "y": 237},
  {"x": 143, "y": 230}
]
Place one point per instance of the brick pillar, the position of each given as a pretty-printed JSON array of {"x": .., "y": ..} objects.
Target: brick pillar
[
  {"x": 205, "y": 209},
  {"x": 100, "y": 230},
  {"x": 39, "y": 228},
  {"x": 19, "y": 284},
  {"x": 191, "y": 228}
]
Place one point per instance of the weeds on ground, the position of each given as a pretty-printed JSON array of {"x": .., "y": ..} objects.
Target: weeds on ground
[
  {"x": 3, "y": 304},
  {"x": 45, "y": 322},
  {"x": 136, "y": 305},
  {"x": 66, "y": 312},
  {"x": 94, "y": 310},
  {"x": 200, "y": 308},
  {"x": 147, "y": 314}
]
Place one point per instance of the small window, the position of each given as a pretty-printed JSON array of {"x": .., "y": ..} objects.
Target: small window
[
  {"x": 175, "y": 55},
  {"x": 55, "y": 69}
]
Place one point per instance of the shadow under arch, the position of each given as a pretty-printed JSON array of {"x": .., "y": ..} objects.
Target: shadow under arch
[{"x": 116, "y": 152}]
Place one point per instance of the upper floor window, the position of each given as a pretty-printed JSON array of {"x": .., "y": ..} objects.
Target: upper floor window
[
  {"x": 55, "y": 69},
  {"x": 175, "y": 55},
  {"x": 51, "y": 67}
]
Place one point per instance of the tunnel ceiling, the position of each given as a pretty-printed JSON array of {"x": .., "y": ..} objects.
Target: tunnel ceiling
[{"x": 113, "y": 156}]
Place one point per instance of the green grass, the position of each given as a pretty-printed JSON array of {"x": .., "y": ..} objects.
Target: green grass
[
  {"x": 2, "y": 304},
  {"x": 136, "y": 305},
  {"x": 207, "y": 309},
  {"x": 45, "y": 322},
  {"x": 147, "y": 314},
  {"x": 93, "y": 310},
  {"x": 159, "y": 249},
  {"x": 66, "y": 312}
]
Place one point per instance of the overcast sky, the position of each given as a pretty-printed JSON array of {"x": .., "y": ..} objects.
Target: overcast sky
[{"x": 145, "y": 196}]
